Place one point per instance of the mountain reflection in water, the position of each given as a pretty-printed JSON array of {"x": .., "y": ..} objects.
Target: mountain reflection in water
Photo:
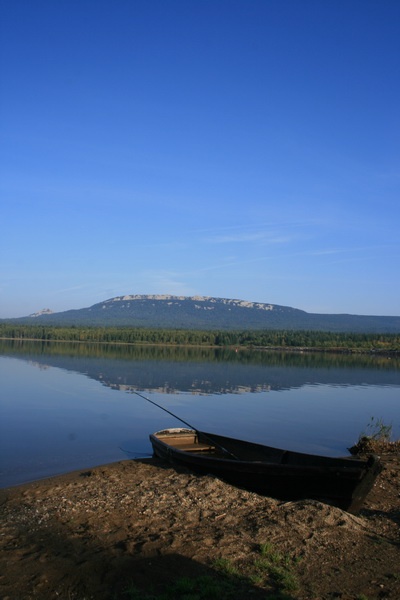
[{"x": 206, "y": 370}]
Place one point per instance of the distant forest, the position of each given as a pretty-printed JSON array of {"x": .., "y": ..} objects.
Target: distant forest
[{"x": 312, "y": 340}]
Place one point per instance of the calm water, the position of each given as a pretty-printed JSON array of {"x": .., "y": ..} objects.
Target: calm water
[{"x": 66, "y": 407}]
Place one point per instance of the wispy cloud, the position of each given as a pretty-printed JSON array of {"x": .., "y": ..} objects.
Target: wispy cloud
[
  {"x": 262, "y": 233},
  {"x": 350, "y": 250},
  {"x": 257, "y": 237},
  {"x": 167, "y": 282},
  {"x": 346, "y": 254},
  {"x": 235, "y": 238}
]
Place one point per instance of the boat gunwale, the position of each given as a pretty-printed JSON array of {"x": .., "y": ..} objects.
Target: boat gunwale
[{"x": 346, "y": 465}]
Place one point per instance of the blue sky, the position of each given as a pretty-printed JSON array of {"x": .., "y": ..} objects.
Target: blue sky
[{"x": 233, "y": 148}]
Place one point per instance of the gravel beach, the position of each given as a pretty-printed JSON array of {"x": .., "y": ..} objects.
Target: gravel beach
[{"x": 134, "y": 528}]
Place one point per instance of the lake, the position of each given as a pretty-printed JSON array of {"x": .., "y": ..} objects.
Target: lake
[{"x": 73, "y": 406}]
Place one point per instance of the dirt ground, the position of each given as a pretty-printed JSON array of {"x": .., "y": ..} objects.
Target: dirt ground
[{"x": 140, "y": 529}]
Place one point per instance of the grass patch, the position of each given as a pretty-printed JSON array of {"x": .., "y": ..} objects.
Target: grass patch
[
  {"x": 270, "y": 567},
  {"x": 225, "y": 566},
  {"x": 277, "y": 566},
  {"x": 269, "y": 571}
]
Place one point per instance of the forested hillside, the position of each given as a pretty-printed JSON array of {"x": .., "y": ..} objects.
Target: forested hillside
[{"x": 207, "y": 313}]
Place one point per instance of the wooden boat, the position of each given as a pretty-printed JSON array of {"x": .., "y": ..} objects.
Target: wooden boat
[{"x": 283, "y": 474}]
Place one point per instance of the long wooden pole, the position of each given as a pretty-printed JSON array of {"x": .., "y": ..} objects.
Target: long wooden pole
[
  {"x": 165, "y": 410},
  {"x": 186, "y": 423}
]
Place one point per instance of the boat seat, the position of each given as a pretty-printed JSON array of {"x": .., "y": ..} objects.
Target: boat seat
[{"x": 195, "y": 447}]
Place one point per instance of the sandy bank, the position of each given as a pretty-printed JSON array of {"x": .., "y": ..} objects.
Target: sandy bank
[{"x": 99, "y": 534}]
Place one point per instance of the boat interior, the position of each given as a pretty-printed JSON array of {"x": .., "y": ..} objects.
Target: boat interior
[
  {"x": 195, "y": 442},
  {"x": 188, "y": 441}
]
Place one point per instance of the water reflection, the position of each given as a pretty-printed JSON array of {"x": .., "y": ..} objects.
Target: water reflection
[{"x": 206, "y": 370}]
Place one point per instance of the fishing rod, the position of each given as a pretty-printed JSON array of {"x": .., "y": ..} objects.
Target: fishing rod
[
  {"x": 185, "y": 423},
  {"x": 165, "y": 410}
]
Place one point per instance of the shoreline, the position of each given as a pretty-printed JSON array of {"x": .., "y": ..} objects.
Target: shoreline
[
  {"x": 235, "y": 347},
  {"x": 95, "y": 533}
]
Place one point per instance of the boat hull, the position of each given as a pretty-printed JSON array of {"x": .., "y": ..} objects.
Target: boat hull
[{"x": 286, "y": 475}]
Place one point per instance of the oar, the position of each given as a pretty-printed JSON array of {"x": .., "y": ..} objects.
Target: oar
[{"x": 186, "y": 423}]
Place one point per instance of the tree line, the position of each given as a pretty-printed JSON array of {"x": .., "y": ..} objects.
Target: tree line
[{"x": 314, "y": 340}]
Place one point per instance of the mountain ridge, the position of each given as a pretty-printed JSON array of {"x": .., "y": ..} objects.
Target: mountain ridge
[{"x": 169, "y": 311}]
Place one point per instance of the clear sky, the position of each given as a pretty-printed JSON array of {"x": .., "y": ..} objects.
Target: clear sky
[{"x": 234, "y": 148}]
